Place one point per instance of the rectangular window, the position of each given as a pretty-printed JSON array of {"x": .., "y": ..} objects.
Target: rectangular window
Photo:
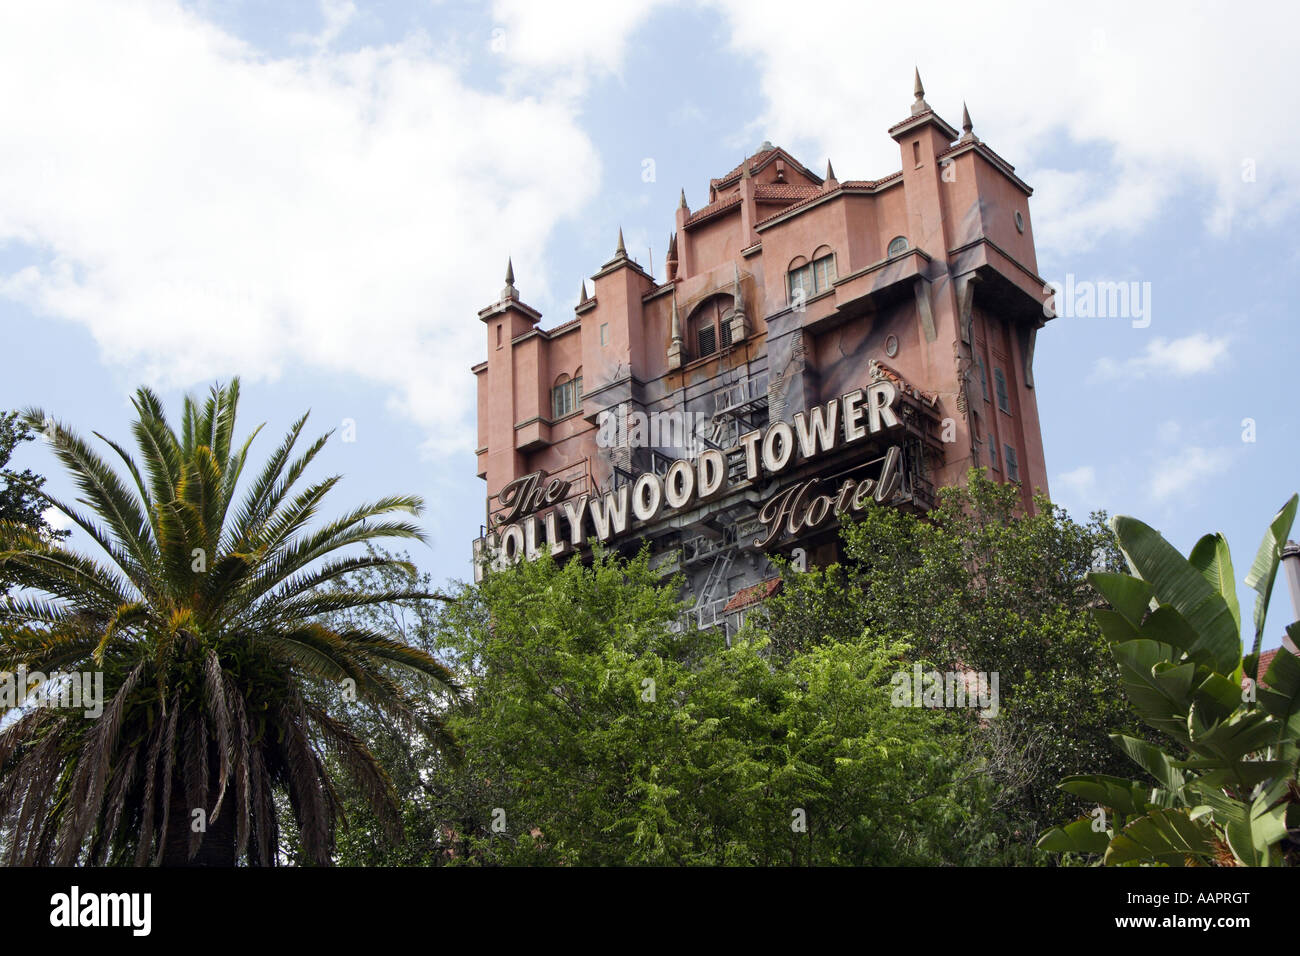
[
  {"x": 498, "y": 335},
  {"x": 707, "y": 341},
  {"x": 566, "y": 398},
  {"x": 993, "y": 452},
  {"x": 1000, "y": 383},
  {"x": 916, "y": 151},
  {"x": 984, "y": 378},
  {"x": 801, "y": 278},
  {"x": 824, "y": 272},
  {"x": 1013, "y": 466},
  {"x": 560, "y": 401},
  {"x": 724, "y": 333},
  {"x": 604, "y": 333}
]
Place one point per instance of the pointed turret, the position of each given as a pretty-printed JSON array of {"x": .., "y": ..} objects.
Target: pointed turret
[
  {"x": 967, "y": 128},
  {"x": 919, "y": 105},
  {"x": 510, "y": 292},
  {"x": 675, "y": 333},
  {"x": 831, "y": 181},
  {"x": 670, "y": 263},
  {"x": 621, "y": 251},
  {"x": 921, "y": 116},
  {"x": 509, "y": 302},
  {"x": 682, "y": 204},
  {"x": 583, "y": 298},
  {"x": 737, "y": 322}
]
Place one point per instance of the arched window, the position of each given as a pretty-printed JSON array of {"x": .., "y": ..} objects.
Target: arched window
[
  {"x": 710, "y": 325},
  {"x": 811, "y": 278},
  {"x": 566, "y": 395},
  {"x": 897, "y": 245},
  {"x": 799, "y": 279},
  {"x": 823, "y": 268}
]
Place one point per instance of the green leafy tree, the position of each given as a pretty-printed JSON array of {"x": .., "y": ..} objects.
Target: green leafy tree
[
  {"x": 1225, "y": 791},
  {"x": 977, "y": 584},
  {"x": 20, "y": 491},
  {"x": 204, "y": 614},
  {"x": 417, "y": 764},
  {"x": 596, "y": 732}
]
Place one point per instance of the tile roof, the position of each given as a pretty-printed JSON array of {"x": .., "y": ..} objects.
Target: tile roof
[
  {"x": 818, "y": 192},
  {"x": 754, "y": 162},
  {"x": 714, "y": 207},
  {"x": 802, "y": 202},
  {"x": 784, "y": 190}
]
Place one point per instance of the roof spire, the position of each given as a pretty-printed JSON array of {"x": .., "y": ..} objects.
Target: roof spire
[
  {"x": 621, "y": 251},
  {"x": 919, "y": 105},
  {"x": 967, "y": 129},
  {"x": 675, "y": 348},
  {"x": 683, "y": 202},
  {"x": 582, "y": 297},
  {"x": 830, "y": 174},
  {"x": 510, "y": 292}
]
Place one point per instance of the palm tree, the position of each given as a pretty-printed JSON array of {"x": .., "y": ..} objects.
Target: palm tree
[{"x": 210, "y": 621}]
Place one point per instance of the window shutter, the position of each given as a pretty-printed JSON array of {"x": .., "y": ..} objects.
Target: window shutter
[
  {"x": 707, "y": 340},
  {"x": 1000, "y": 382}
]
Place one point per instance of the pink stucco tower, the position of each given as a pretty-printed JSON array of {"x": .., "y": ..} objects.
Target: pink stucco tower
[{"x": 785, "y": 290}]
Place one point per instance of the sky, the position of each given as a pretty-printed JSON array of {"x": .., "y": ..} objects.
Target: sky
[{"x": 319, "y": 197}]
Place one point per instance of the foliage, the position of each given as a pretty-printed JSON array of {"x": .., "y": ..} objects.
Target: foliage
[
  {"x": 595, "y": 732},
  {"x": 20, "y": 491},
  {"x": 205, "y": 621},
  {"x": 976, "y": 584},
  {"x": 1228, "y": 794}
]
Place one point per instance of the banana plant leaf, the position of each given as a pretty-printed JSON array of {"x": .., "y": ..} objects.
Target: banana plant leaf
[
  {"x": 1076, "y": 837},
  {"x": 1212, "y": 558},
  {"x": 1263, "y": 570},
  {"x": 1177, "y": 583},
  {"x": 1167, "y": 836}
]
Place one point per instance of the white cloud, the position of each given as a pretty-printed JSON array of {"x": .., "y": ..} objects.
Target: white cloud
[
  {"x": 1189, "y": 355},
  {"x": 1174, "y": 475},
  {"x": 1081, "y": 481},
  {"x": 57, "y": 520},
  {"x": 568, "y": 35},
  {"x": 1110, "y": 115},
  {"x": 337, "y": 14},
  {"x": 205, "y": 209},
  {"x": 1076, "y": 490}
]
